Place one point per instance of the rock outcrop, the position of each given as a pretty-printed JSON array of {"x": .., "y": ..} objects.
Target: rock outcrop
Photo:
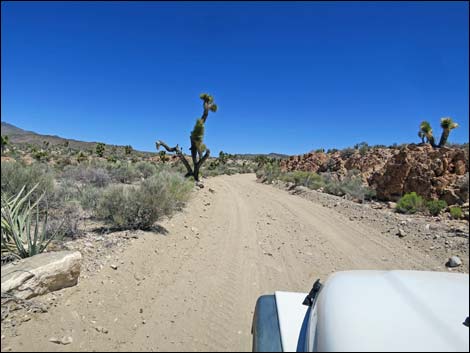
[
  {"x": 392, "y": 172},
  {"x": 41, "y": 274}
]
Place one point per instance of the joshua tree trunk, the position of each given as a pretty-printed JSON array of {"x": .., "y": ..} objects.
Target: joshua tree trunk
[{"x": 444, "y": 137}]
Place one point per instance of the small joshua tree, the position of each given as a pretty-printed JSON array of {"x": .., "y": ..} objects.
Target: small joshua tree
[
  {"x": 447, "y": 124},
  {"x": 128, "y": 149},
  {"x": 100, "y": 147},
  {"x": 425, "y": 131},
  {"x": 199, "y": 151},
  {"x": 5, "y": 142},
  {"x": 223, "y": 157},
  {"x": 163, "y": 156}
]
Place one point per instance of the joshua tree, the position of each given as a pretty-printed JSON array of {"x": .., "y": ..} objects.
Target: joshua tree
[
  {"x": 163, "y": 156},
  {"x": 5, "y": 142},
  {"x": 447, "y": 124},
  {"x": 223, "y": 157},
  {"x": 100, "y": 147},
  {"x": 199, "y": 151},
  {"x": 128, "y": 149},
  {"x": 425, "y": 130}
]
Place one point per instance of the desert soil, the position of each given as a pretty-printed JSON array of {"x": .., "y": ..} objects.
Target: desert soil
[{"x": 194, "y": 286}]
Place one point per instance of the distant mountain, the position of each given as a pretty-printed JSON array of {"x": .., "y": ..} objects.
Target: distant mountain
[
  {"x": 12, "y": 130},
  {"x": 20, "y": 136}
]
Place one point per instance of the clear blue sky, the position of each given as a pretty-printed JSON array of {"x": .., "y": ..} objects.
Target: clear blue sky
[{"x": 288, "y": 77}]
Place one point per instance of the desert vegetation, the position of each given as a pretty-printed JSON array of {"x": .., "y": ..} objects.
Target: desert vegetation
[{"x": 52, "y": 199}]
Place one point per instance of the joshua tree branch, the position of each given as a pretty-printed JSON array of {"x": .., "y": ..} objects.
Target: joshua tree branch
[{"x": 178, "y": 152}]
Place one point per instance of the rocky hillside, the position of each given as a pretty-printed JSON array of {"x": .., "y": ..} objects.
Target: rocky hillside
[{"x": 433, "y": 173}]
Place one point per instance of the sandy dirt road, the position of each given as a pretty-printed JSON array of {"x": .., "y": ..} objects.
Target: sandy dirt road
[{"x": 195, "y": 287}]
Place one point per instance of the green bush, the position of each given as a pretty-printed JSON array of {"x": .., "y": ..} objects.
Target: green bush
[
  {"x": 269, "y": 171},
  {"x": 16, "y": 175},
  {"x": 456, "y": 212},
  {"x": 139, "y": 207},
  {"x": 124, "y": 173},
  {"x": 308, "y": 179},
  {"x": 64, "y": 222},
  {"x": 436, "y": 206},
  {"x": 145, "y": 169},
  {"x": 88, "y": 197},
  {"x": 98, "y": 177},
  {"x": 351, "y": 186},
  {"x": 410, "y": 203}
]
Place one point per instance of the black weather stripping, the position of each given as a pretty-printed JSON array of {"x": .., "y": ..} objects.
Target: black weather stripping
[{"x": 312, "y": 296}]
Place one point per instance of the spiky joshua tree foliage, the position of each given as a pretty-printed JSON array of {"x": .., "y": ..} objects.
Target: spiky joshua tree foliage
[
  {"x": 425, "y": 131},
  {"x": 199, "y": 151}
]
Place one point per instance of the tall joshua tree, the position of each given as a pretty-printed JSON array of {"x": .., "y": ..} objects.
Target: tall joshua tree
[
  {"x": 447, "y": 124},
  {"x": 199, "y": 151},
  {"x": 425, "y": 131}
]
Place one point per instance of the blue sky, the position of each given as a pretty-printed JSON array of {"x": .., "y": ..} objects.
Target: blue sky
[{"x": 288, "y": 77}]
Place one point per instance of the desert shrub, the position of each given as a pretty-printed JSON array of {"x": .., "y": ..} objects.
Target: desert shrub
[
  {"x": 269, "y": 171},
  {"x": 98, "y": 177},
  {"x": 145, "y": 169},
  {"x": 124, "y": 173},
  {"x": 15, "y": 175},
  {"x": 347, "y": 152},
  {"x": 81, "y": 157},
  {"x": 64, "y": 222},
  {"x": 308, "y": 179},
  {"x": 456, "y": 212},
  {"x": 351, "y": 185},
  {"x": 111, "y": 159},
  {"x": 436, "y": 206},
  {"x": 139, "y": 207},
  {"x": 62, "y": 163},
  {"x": 41, "y": 155},
  {"x": 410, "y": 203},
  {"x": 332, "y": 184},
  {"x": 88, "y": 197},
  {"x": 63, "y": 191},
  {"x": 362, "y": 147}
]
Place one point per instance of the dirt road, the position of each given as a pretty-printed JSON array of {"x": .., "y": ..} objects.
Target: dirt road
[{"x": 195, "y": 287}]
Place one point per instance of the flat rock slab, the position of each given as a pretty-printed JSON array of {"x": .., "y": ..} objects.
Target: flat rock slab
[{"x": 41, "y": 274}]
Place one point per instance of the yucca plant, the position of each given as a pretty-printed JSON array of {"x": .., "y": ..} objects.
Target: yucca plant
[
  {"x": 447, "y": 124},
  {"x": 425, "y": 130},
  {"x": 18, "y": 216}
]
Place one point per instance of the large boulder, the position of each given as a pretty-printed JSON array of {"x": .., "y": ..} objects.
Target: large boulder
[{"x": 41, "y": 274}]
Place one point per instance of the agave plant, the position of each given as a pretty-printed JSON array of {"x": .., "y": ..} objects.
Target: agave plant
[
  {"x": 425, "y": 130},
  {"x": 447, "y": 124},
  {"x": 18, "y": 237}
]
